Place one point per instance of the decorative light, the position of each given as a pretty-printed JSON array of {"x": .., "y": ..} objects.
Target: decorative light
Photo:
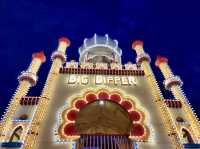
[
  {"x": 101, "y": 102},
  {"x": 71, "y": 105}
]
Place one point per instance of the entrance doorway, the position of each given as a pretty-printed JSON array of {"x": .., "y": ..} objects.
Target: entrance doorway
[{"x": 103, "y": 124}]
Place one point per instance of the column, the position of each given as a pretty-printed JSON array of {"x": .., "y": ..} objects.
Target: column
[
  {"x": 58, "y": 59},
  {"x": 174, "y": 83},
  {"x": 143, "y": 59},
  {"x": 26, "y": 80}
]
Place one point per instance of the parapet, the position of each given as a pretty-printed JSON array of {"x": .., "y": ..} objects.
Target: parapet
[
  {"x": 101, "y": 68},
  {"x": 29, "y": 100}
]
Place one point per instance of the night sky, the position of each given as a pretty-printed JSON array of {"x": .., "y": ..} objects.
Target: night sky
[{"x": 170, "y": 28}]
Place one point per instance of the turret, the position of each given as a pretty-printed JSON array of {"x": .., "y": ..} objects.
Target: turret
[
  {"x": 26, "y": 79},
  {"x": 143, "y": 60},
  {"x": 174, "y": 83},
  {"x": 100, "y": 49},
  {"x": 58, "y": 59}
]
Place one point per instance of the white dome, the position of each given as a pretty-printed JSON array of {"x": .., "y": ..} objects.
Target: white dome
[{"x": 100, "y": 49}]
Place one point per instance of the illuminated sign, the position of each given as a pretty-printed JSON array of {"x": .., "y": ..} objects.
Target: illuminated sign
[{"x": 100, "y": 79}]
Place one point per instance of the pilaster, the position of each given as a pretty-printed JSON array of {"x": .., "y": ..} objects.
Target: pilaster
[
  {"x": 143, "y": 59},
  {"x": 174, "y": 83},
  {"x": 58, "y": 58},
  {"x": 26, "y": 80}
]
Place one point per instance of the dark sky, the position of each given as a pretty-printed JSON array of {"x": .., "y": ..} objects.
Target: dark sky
[{"x": 170, "y": 28}]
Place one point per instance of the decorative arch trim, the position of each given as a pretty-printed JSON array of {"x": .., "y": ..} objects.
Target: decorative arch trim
[
  {"x": 19, "y": 127},
  {"x": 67, "y": 129},
  {"x": 189, "y": 131}
]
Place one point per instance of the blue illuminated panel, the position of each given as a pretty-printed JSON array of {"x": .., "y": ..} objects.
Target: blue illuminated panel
[
  {"x": 191, "y": 145},
  {"x": 11, "y": 144}
]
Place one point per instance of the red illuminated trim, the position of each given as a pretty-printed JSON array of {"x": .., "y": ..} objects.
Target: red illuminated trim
[{"x": 101, "y": 71}]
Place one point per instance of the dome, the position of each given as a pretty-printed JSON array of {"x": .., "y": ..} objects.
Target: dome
[{"x": 100, "y": 49}]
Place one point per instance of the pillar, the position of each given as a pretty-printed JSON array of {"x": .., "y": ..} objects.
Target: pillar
[
  {"x": 143, "y": 60},
  {"x": 58, "y": 59},
  {"x": 27, "y": 79},
  {"x": 174, "y": 83}
]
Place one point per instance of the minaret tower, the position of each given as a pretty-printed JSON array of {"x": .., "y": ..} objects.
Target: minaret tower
[
  {"x": 174, "y": 83},
  {"x": 58, "y": 58},
  {"x": 27, "y": 79},
  {"x": 143, "y": 59}
]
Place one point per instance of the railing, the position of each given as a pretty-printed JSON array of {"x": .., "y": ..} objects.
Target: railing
[{"x": 104, "y": 142}]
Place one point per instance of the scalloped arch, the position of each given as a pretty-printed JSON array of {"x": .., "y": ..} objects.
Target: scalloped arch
[{"x": 70, "y": 113}]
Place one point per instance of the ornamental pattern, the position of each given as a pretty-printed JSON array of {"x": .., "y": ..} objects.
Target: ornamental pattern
[{"x": 67, "y": 129}]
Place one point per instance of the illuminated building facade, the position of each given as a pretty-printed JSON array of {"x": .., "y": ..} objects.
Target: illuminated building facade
[{"x": 99, "y": 103}]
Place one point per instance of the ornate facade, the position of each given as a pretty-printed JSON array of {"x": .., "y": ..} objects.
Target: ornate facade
[{"x": 99, "y": 103}]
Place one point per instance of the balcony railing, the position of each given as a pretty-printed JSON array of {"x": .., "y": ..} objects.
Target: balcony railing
[{"x": 101, "y": 141}]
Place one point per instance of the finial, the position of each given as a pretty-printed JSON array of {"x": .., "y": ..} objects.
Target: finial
[
  {"x": 116, "y": 43},
  {"x": 137, "y": 42},
  {"x": 95, "y": 38},
  {"x": 160, "y": 59},
  {"x": 65, "y": 39},
  {"x": 85, "y": 42},
  {"x": 40, "y": 55},
  {"x": 107, "y": 38}
]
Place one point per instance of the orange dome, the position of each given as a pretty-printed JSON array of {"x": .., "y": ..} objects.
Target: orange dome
[
  {"x": 160, "y": 59},
  {"x": 65, "y": 39},
  {"x": 40, "y": 55},
  {"x": 137, "y": 42}
]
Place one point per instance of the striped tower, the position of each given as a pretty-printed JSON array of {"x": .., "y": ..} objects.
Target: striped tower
[
  {"x": 58, "y": 58},
  {"x": 174, "y": 83},
  {"x": 143, "y": 59},
  {"x": 27, "y": 79}
]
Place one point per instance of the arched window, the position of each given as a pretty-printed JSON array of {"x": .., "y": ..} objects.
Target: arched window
[
  {"x": 187, "y": 137},
  {"x": 180, "y": 119},
  {"x": 23, "y": 117},
  {"x": 16, "y": 134}
]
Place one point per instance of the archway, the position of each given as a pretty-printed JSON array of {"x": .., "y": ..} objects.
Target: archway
[
  {"x": 127, "y": 121},
  {"x": 16, "y": 135},
  {"x": 103, "y": 117},
  {"x": 103, "y": 124},
  {"x": 187, "y": 136}
]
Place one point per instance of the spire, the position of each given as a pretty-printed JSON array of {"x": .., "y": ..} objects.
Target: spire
[
  {"x": 160, "y": 59},
  {"x": 58, "y": 58},
  {"x": 141, "y": 55},
  {"x": 39, "y": 55},
  {"x": 162, "y": 63},
  {"x": 143, "y": 60},
  {"x": 64, "y": 42},
  {"x": 26, "y": 79},
  {"x": 137, "y": 43},
  {"x": 170, "y": 79},
  {"x": 37, "y": 59},
  {"x": 138, "y": 47},
  {"x": 174, "y": 83}
]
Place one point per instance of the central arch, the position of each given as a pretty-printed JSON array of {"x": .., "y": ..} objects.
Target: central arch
[
  {"x": 102, "y": 112},
  {"x": 103, "y": 117}
]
